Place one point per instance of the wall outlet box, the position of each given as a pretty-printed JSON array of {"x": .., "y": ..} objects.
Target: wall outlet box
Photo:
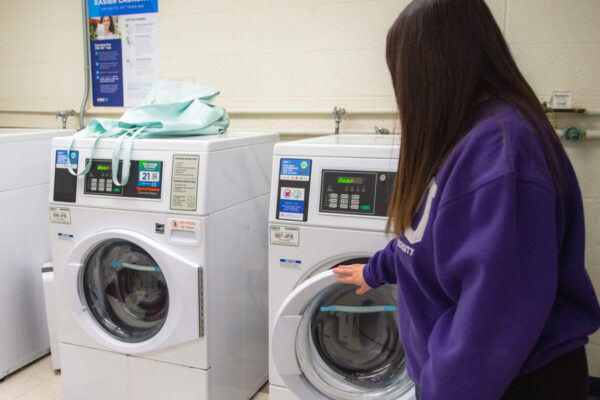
[{"x": 561, "y": 100}]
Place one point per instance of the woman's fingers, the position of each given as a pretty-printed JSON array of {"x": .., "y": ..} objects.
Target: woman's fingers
[{"x": 346, "y": 279}]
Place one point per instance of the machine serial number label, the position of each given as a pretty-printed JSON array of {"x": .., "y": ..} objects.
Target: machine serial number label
[
  {"x": 60, "y": 215},
  {"x": 285, "y": 236}
]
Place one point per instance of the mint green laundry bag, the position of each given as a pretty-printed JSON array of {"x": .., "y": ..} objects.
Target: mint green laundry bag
[{"x": 170, "y": 109}]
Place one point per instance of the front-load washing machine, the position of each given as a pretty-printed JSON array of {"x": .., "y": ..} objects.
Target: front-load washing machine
[
  {"x": 162, "y": 282},
  {"x": 329, "y": 198}
]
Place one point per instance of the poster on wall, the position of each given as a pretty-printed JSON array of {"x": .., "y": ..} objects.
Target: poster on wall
[{"x": 124, "y": 50}]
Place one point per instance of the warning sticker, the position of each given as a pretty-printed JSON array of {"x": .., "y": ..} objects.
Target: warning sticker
[
  {"x": 184, "y": 182},
  {"x": 186, "y": 225}
]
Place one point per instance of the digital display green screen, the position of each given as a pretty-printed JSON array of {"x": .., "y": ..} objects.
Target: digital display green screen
[
  {"x": 101, "y": 167},
  {"x": 348, "y": 179}
]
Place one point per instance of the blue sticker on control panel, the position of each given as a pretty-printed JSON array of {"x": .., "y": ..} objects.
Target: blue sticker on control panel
[
  {"x": 294, "y": 170},
  {"x": 63, "y": 157},
  {"x": 149, "y": 174},
  {"x": 291, "y": 203}
]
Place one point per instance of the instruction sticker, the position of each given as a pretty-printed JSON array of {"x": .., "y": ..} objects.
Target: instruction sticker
[
  {"x": 60, "y": 215},
  {"x": 294, "y": 170},
  {"x": 291, "y": 203},
  {"x": 184, "y": 182},
  {"x": 63, "y": 157},
  {"x": 285, "y": 236}
]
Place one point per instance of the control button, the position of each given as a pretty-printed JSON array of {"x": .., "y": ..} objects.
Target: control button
[
  {"x": 332, "y": 205},
  {"x": 94, "y": 182},
  {"x": 344, "y": 196},
  {"x": 354, "y": 206},
  {"x": 353, "y": 201},
  {"x": 109, "y": 188},
  {"x": 93, "y": 188},
  {"x": 333, "y": 196},
  {"x": 344, "y": 206},
  {"x": 355, "y": 196},
  {"x": 382, "y": 177},
  {"x": 344, "y": 201}
]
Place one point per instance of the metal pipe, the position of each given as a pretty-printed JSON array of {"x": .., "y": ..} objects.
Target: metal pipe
[
  {"x": 86, "y": 52},
  {"x": 338, "y": 113},
  {"x": 590, "y": 134}
]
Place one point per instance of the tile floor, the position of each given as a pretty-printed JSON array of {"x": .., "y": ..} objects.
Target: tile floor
[{"x": 38, "y": 381}]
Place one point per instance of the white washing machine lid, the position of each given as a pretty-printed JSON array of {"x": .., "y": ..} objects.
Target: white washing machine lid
[
  {"x": 173, "y": 305},
  {"x": 285, "y": 347}
]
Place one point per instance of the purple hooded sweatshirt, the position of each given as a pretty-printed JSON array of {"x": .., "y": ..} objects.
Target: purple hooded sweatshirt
[{"x": 491, "y": 278}]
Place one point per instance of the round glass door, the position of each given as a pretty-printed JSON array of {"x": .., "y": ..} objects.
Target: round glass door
[
  {"x": 125, "y": 290},
  {"x": 348, "y": 346}
]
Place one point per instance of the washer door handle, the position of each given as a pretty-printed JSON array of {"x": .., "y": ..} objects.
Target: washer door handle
[{"x": 73, "y": 287}]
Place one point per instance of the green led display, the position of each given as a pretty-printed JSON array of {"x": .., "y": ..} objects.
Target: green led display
[
  {"x": 103, "y": 167},
  {"x": 366, "y": 208},
  {"x": 348, "y": 179}
]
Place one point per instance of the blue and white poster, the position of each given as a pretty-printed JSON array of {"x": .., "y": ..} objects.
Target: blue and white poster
[{"x": 124, "y": 50}]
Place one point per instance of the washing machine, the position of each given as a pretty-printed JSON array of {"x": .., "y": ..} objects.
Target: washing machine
[
  {"x": 162, "y": 282},
  {"x": 329, "y": 198}
]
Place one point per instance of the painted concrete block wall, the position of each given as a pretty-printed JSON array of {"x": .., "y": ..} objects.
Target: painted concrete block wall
[{"x": 282, "y": 65}]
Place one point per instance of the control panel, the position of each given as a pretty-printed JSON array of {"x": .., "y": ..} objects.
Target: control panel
[
  {"x": 356, "y": 192},
  {"x": 144, "y": 179}
]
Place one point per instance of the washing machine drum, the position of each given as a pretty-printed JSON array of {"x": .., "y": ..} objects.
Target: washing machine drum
[
  {"x": 352, "y": 354},
  {"x": 125, "y": 291}
]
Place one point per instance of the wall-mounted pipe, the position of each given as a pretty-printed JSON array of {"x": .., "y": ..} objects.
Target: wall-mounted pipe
[
  {"x": 590, "y": 134},
  {"x": 86, "y": 62}
]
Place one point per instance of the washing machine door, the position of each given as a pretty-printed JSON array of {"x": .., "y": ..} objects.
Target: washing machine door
[
  {"x": 132, "y": 294},
  {"x": 330, "y": 343}
]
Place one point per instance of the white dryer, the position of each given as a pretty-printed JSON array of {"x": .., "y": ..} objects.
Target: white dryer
[
  {"x": 24, "y": 244},
  {"x": 162, "y": 282},
  {"x": 329, "y": 199}
]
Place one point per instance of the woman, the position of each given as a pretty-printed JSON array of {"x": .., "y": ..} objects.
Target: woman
[
  {"x": 106, "y": 28},
  {"x": 493, "y": 297}
]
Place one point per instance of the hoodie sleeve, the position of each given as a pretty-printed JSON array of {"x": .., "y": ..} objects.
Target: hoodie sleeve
[
  {"x": 496, "y": 258},
  {"x": 381, "y": 268}
]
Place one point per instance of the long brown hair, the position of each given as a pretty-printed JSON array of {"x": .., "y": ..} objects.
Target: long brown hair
[{"x": 444, "y": 56}]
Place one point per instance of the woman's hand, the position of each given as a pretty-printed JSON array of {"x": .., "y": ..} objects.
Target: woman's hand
[{"x": 352, "y": 274}]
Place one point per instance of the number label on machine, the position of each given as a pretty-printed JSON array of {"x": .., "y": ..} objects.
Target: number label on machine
[
  {"x": 149, "y": 174},
  {"x": 285, "y": 236},
  {"x": 294, "y": 186}
]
